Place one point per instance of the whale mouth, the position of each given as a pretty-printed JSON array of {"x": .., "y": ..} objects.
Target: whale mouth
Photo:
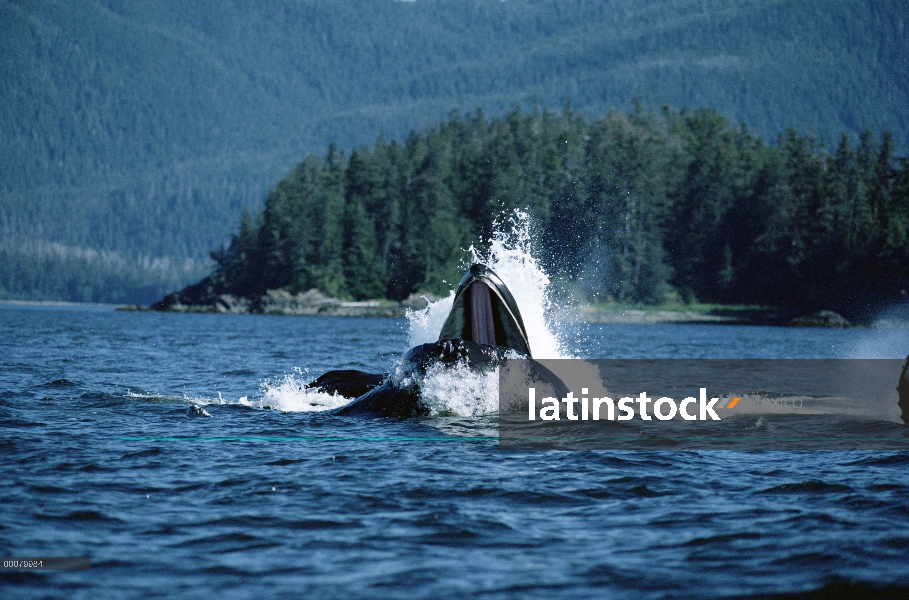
[
  {"x": 482, "y": 329},
  {"x": 485, "y": 312}
]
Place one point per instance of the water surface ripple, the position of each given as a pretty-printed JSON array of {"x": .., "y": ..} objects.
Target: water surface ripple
[{"x": 252, "y": 503}]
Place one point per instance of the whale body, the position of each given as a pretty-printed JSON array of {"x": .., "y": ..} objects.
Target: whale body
[{"x": 483, "y": 328}]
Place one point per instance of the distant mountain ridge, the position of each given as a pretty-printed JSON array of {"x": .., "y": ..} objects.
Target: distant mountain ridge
[{"x": 144, "y": 127}]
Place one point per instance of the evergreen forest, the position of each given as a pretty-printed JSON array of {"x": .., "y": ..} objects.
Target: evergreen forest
[
  {"x": 638, "y": 207},
  {"x": 134, "y": 132}
]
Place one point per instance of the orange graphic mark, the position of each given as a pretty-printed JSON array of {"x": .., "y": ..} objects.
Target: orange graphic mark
[{"x": 733, "y": 403}]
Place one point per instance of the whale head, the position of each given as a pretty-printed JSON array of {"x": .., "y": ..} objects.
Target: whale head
[
  {"x": 481, "y": 329},
  {"x": 485, "y": 312}
]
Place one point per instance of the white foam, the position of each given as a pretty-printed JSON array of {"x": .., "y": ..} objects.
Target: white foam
[
  {"x": 456, "y": 390},
  {"x": 511, "y": 257},
  {"x": 290, "y": 394},
  {"x": 425, "y": 324}
]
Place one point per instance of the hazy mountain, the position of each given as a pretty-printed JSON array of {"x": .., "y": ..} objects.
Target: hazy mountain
[{"x": 139, "y": 129}]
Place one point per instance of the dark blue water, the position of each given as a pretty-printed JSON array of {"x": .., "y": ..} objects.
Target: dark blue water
[{"x": 265, "y": 503}]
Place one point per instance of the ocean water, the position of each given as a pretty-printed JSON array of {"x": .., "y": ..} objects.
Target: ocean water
[{"x": 272, "y": 497}]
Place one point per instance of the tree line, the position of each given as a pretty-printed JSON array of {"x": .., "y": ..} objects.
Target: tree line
[
  {"x": 124, "y": 125},
  {"x": 53, "y": 272},
  {"x": 640, "y": 206}
]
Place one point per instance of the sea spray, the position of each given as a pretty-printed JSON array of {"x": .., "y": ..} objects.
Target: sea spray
[
  {"x": 290, "y": 394},
  {"x": 457, "y": 389},
  {"x": 510, "y": 256},
  {"x": 461, "y": 391},
  {"x": 425, "y": 324},
  {"x": 446, "y": 389}
]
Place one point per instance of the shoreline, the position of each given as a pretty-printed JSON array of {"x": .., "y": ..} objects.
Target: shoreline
[
  {"x": 643, "y": 317},
  {"x": 208, "y": 296},
  {"x": 398, "y": 310},
  {"x": 59, "y": 303},
  {"x": 315, "y": 304}
]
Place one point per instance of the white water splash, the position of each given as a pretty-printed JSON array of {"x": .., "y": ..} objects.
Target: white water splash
[
  {"x": 510, "y": 256},
  {"x": 454, "y": 390},
  {"x": 290, "y": 394},
  {"x": 426, "y": 323},
  {"x": 460, "y": 392}
]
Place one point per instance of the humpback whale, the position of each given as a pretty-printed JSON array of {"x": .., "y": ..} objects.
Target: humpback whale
[{"x": 483, "y": 328}]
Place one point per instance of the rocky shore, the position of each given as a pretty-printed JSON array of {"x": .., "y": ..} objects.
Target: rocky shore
[
  {"x": 204, "y": 297},
  {"x": 643, "y": 317},
  {"x": 823, "y": 319}
]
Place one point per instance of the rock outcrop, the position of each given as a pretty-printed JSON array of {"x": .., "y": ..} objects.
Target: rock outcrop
[
  {"x": 207, "y": 296},
  {"x": 824, "y": 318}
]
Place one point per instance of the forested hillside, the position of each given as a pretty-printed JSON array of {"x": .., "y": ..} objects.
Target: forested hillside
[
  {"x": 632, "y": 207},
  {"x": 142, "y": 128}
]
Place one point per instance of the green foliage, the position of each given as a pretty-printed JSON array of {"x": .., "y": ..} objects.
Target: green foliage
[
  {"x": 630, "y": 207},
  {"x": 58, "y": 273},
  {"x": 144, "y": 128},
  {"x": 126, "y": 127}
]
